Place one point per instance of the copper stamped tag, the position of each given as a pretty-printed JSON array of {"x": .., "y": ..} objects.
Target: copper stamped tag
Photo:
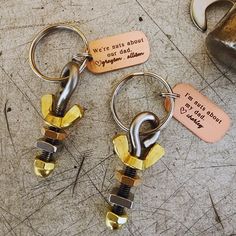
[
  {"x": 199, "y": 114},
  {"x": 118, "y": 51}
]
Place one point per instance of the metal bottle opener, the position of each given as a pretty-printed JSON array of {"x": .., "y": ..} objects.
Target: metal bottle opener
[{"x": 221, "y": 42}]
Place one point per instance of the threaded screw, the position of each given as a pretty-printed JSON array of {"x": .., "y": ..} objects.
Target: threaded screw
[{"x": 124, "y": 190}]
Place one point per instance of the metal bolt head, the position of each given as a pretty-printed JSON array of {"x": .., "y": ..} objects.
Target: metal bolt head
[
  {"x": 114, "y": 221},
  {"x": 43, "y": 168}
]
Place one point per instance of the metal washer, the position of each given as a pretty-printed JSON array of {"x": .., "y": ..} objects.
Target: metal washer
[
  {"x": 170, "y": 94},
  {"x": 46, "y": 31}
]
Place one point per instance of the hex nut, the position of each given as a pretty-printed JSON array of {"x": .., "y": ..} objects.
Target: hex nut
[
  {"x": 124, "y": 179},
  {"x": 48, "y": 147},
  {"x": 114, "y": 221},
  {"x": 53, "y": 134},
  {"x": 121, "y": 201},
  {"x": 43, "y": 168}
]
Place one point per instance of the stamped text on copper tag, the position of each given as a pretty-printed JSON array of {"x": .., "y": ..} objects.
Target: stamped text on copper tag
[
  {"x": 118, "y": 51},
  {"x": 199, "y": 114}
]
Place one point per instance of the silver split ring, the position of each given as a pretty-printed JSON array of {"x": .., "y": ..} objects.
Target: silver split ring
[
  {"x": 169, "y": 94},
  {"x": 42, "y": 34}
]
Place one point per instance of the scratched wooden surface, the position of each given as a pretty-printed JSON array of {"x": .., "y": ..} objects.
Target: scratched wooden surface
[{"x": 175, "y": 197}]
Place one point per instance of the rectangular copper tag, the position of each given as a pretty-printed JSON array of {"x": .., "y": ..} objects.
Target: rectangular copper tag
[
  {"x": 199, "y": 114},
  {"x": 118, "y": 52}
]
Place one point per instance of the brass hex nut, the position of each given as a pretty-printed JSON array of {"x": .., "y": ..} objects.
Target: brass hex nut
[
  {"x": 53, "y": 134},
  {"x": 43, "y": 168},
  {"x": 126, "y": 179},
  {"x": 114, "y": 221}
]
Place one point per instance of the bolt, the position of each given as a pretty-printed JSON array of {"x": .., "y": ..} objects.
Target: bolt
[
  {"x": 47, "y": 156},
  {"x": 124, "y": 190}
]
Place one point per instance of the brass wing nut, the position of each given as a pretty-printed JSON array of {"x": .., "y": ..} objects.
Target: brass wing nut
[
  {"x": 73, "y": 114},
  {"x": 121, "y": 147}
]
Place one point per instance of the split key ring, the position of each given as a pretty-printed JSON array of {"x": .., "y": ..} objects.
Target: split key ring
[{"x": 45, "y": 32}]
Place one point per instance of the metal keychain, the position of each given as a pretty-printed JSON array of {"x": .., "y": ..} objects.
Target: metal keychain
[
  {"x": 54, "y": 107},
  {"x": 143, "y": 154}
]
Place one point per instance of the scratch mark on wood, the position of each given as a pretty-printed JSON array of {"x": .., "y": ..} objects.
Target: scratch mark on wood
[
  {"x": 104, "y": 177},
  {"x": 8, "y": 127},
  {"x": 27, "y": 98},
  {"x": 77, "y": 175},
  {"x": 8, "y": 224},
  {"x": 217, "y": 217}
]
